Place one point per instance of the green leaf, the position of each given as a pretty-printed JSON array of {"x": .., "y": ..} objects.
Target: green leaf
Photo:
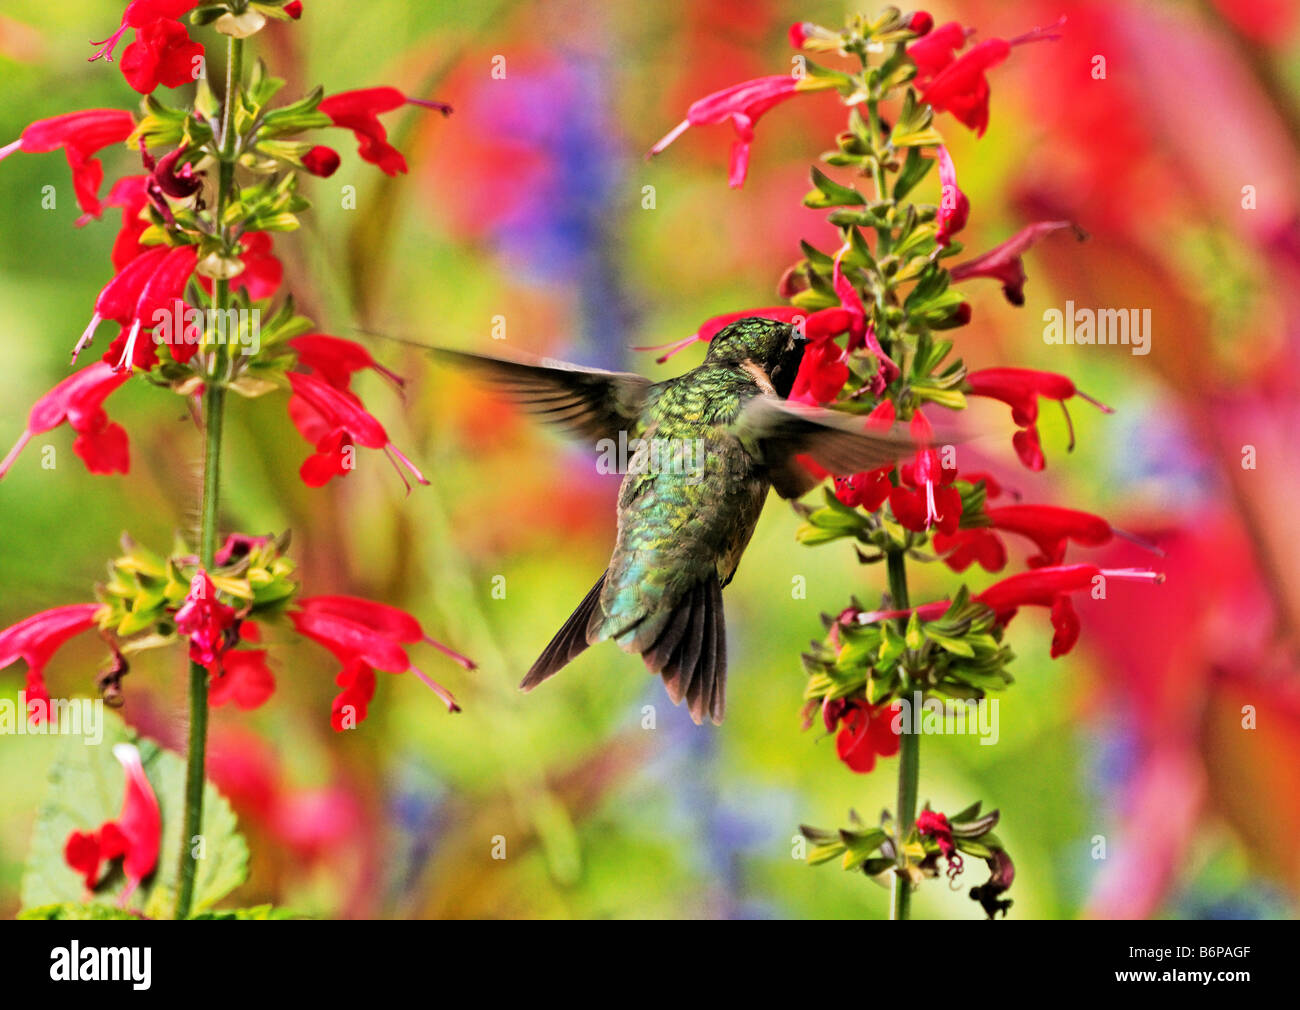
[
  {"x": 71, "y": 910},
  {"x": 86, "y": 786}
]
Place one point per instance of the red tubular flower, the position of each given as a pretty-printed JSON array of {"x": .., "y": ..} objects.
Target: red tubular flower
[
  {"x": 823, "y": 371},
  {"x": 954, "y": 207},
  {"x": 743, "y": 104},
  {"x": 1050, "y": 587},
  {"x": 294, "y": 9},
  {"x": 241, "y": 676},
  {"x": 336, "y": 360},
  {"x": 921, "y": 22},
  {"x": 925, "y": 496},
  {"x": 365, "y": 635},
  {"x": 321, "y": 160},
  {"x": 964, "y": 548},
  {"x": 352, "y": 704},
  {"x": 1050, "y": 527},
  {"x": 870, "y": 489},
  {"x": 867, "y": 733},
  {"x": 262, "y": 272},
  {"x": 141, "y": 14},
  {"x": 1020, "y": 389},
  {"x": 710, "y": 328},
  {"x": 162, "y": 292},
  {"x": 81, "y": 135},
  {"x": 135, "y": 836},
  {"x": 932, "y": 824},
  {"x": 957, "y": 84},
  {"x": 35, "y": 640},
  {"x": 333, "y": 420},
  {"x": 118, "y": 298},
  {"x": 1003, "y": 263},
  {"x": 129, "y": 193},
  {"x": 936, "y": 50},
  {"x": 162, "y": 53},
  {"x": 78, "y": 399},
  {"x": 860, "y": 332},
  {"x": 205, "y": 620},
  {"x": 359, "y": 112}
]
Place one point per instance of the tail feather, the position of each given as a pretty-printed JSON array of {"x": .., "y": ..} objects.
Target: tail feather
[
  {"x": 690, "y": 654},
  {"x": 568, "y": 643}
]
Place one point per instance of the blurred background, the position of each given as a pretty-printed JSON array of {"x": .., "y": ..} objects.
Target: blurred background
[{"x": 529, "y": 204}]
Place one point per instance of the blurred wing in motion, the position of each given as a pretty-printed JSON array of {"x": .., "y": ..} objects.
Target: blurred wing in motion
[
  {"x": 776, "y": 431},
  {"x": 589, "y": 403}
]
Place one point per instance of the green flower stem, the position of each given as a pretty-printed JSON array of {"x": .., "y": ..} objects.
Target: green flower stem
[
  {"x": 909, "y": 762},
  {"x": 214, "y": 404}
]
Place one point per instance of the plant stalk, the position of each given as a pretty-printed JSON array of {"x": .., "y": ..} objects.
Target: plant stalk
[
  {"x": 909, "y": 761},
  {"x": 214, "y": 403}
]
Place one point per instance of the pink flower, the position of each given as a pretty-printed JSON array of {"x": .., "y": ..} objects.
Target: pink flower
[
  {"x": 334, "y": 421},
  {"x": 35, "y": 640},
  {"x": 1020, "y": 389},
  {"x": 135, "y": 836},
  {"x": 742, "y": 104},
  {"x": 359, "y": 112},
  {"x": 1002, "y": 262},
  {"x": 78, "y": 400},
  {"x": 205, "y": 620},
  {"x": 81, "y": 135}
]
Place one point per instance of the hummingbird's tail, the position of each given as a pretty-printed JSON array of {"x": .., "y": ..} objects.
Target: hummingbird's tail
[
  {"x": 569, "y": 641},
  {"x": 689, "y": 650}
]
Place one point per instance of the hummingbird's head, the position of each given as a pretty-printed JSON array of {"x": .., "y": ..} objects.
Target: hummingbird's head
[{"x": 775, "y": 346}]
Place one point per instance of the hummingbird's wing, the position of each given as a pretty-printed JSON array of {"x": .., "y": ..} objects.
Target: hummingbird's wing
[
  {"x": 776, "y": 431},
  {"x": 589, "y": 403}
]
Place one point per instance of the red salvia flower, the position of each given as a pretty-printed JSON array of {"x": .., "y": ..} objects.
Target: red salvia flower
[
  {"x": 141, "y": 14},
  {"x": 321, "y": 160},
  {"x": 870, "y": 489},
  {"x": 135, "y": 836},
  {"x": 336, "y": 360},
  {"x": 35, "y": 640},
  {"x": 1020, "y": 388},
  {"x": 162, "y": 53},
  {"x": 955, "y": 84},
  {"x": 162, "y": 293},
  {"x": 334, "y": 420},
  {"x": 1003, "y": 263},
  {"x": 241, "y": 676},
  {"x": 359, "y": 112},
  {"x": 205, "y": 620},
  {"x": 925, "y": 496},
  {"x": 1050, "y": 587},
  {"x": 364, "y": 636},
  {"x": 81, "y": 135},
  {"x": 742, "y": 104},
  {"x": 294, "y": 9},
  {"x": 78, "y": 400},
  {"x": 936, "y": 50},
  {"x": 954, "y": 207},
  {"x": 867, "y": 733},
  {"x": 932, "y": 824},
  {"x": 129, "y": 193},
  {"x": 118, "y": 298}
]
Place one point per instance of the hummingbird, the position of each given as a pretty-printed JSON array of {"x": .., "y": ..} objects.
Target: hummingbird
[{"x": 682, "y": 529}]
